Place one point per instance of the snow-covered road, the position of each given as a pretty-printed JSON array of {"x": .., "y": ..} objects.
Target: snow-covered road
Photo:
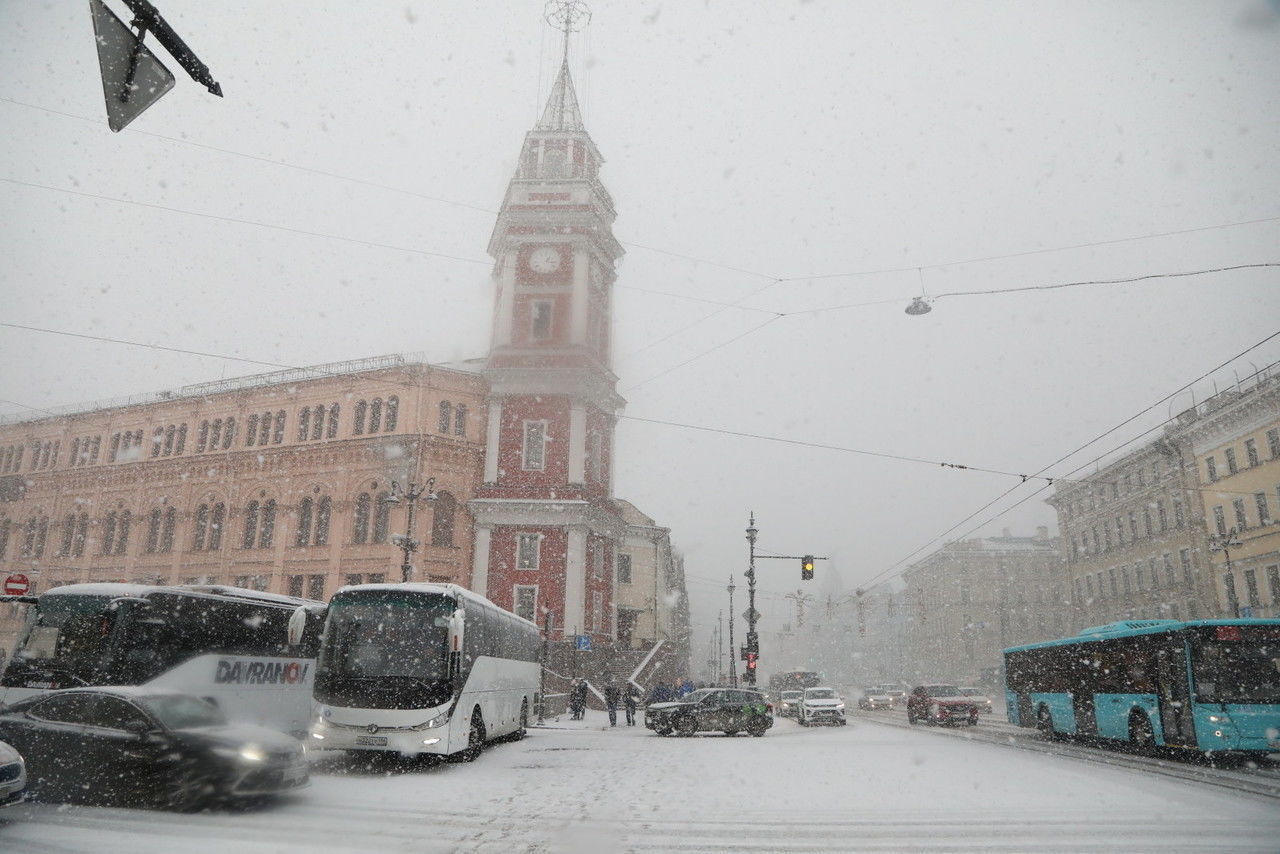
[{"x": 584, "y": 787}]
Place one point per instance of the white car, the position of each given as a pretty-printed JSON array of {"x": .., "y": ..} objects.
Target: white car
[
  {"x": 980, "y": 700},
  {"x": 13, "y": 775},
  {"x": 821, "y": 706}
]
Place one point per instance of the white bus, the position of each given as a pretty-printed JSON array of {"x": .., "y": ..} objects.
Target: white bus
[
  {"x": 422, "y": 669},
  {"x": 224, "y": 644}
]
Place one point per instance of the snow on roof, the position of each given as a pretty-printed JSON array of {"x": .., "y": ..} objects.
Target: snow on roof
[
  {"x": 431, "y": 587},
  {"x": 118, "y": 589}
]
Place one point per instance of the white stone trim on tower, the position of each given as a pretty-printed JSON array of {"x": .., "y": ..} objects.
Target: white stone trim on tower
[
  {"x": 581, "y": 290},
  {"x": 577, "y": 443},
  {"x": 506, "y": 301},
  {"x": 480, "y": 560},
  {"x": 491, "y": 442},
  {"x": 575, "y": 582}
]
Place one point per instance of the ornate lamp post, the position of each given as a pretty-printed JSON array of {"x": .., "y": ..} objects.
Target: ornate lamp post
[{"x": 408, "y": 545}]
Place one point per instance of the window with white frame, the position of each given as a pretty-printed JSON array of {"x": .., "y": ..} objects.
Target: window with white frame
[
  {"x": 535, "y": 441},
  {"x": 597, "y": 611},
  {"x": 597, "y": 563},
  {"x": 525, "y": 601},
  {"x": 528, "y": 547},
  {"x": 624, "y": 569}
]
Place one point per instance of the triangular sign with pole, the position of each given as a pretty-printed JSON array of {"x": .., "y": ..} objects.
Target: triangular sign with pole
[{"x": 132, "y": 78}]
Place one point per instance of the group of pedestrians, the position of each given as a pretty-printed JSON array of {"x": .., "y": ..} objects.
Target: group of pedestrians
[{"x": 628, "y": 696}]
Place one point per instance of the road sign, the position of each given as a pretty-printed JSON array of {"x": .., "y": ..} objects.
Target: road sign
[
  {"x": 132, "y": 78},
  {"x": 751, "y": 615},
  {"x": 582, "y": 642},
  {"x": 1246, "y": 612},
  {"x": 16, "y": 584}
]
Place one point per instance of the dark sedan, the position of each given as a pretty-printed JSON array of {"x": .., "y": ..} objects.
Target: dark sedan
[
  {"x": 730, "y": 710},
  {"x": 139, "y": 746}
]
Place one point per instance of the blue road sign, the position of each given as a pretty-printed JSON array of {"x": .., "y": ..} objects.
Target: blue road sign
[
  {"x": 582, "y": 642},
  {"x": 1246, "y": 612}
]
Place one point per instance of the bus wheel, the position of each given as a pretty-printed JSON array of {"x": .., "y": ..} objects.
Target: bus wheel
[
  {"x": 1044, "y": 723},
  {"x": 1140, "y": 734},
  {"x": 475, "y": 738}
]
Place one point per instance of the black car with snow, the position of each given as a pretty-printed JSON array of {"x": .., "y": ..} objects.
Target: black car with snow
[
  {"x": 728, "y": 710},
  {"x": 141, "y": 746}
]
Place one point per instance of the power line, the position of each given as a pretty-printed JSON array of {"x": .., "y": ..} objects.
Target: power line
[
  {"x": 704, "y": 353},
  {"x": 1147, "y": 277},
  {"x": 885, "y": 573}
]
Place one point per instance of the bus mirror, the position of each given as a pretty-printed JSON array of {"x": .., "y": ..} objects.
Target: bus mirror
[{"x": 297, "y": 625}]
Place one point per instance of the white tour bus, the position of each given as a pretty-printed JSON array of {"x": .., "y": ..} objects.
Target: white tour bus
[
  {"x": 422, "y": 668},
  {"x": 225, "y": 644}
]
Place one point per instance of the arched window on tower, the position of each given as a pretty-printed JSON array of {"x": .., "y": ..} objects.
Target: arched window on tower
[
  {"x": 179, "y": 447},
  {"x": 251, "y": 432},
  {"x": 442, "y": 522},
  {"x": 375, "y": 415},
  {"x": 170, "y": 436},
  {"x": 323, "y": 511},
  {"x": 109, "y": 533},
  {"x": 250, "y": 525},
  {"x": 460, "y": 420},
  {"x": 166, "y": 533},
  {"x": 360, "y": 534},
  {"x": 215, "y": 434},
  {"x": 228, "y": 433},
  {"x": 153, "y": 531},
  {"x": 317, "y": 422},
  {"x": 267, "y": 529},
  {"x": 358, "y": 429},
  {"x": 200, "y": 540},
  {"x": 393, "y": 413},
  {"x": 333, "y": 421},
  {"x": 278, "y": 435},
  {"x": 446, "y": 415},
  {"x": 304, "y": 423},
  {"x": 122, "y": 536}
]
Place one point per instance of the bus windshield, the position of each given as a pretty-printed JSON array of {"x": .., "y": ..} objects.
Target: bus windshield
[
  {"x": 1246, "y": 671},
  {"x": 385, "y": 649},
  {"x": 65, "y": 633}
]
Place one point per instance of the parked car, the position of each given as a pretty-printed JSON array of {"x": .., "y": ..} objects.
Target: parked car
[
  {"x": 872, "y": 700},
  {"x": 789, "y": 703},
  {"x": 13, "y": 775},
  {"x": 146, "y": 746},
  {"x": 940, "y": 704},
  {"x": 821, "y": 706},
  {"x": 730, "y": 710},
  {"x": 981, "y": 700},
  {"x": 897, "y": 694}
]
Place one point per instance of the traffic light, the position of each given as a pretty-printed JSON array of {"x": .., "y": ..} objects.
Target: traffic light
[
  {"x": 806, "y": 568},
  {"x": 751, "y": 662}
]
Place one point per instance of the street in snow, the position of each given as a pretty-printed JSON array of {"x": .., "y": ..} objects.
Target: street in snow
[{"x": 582, "y": 786}]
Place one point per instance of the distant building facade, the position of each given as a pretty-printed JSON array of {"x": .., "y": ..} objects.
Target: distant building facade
[
  {"x": 969, "y": 600},
  {"x": 275, "y": 482},
  {"x": 652, "y": 604},
  {"x": 1233, "y": 439},
  {"x": 1134, "y": 539}
]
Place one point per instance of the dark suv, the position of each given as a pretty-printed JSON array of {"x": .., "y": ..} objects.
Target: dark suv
[{"x": 730, "y": 710}]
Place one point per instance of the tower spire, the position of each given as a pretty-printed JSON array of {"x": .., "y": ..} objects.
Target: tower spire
[{"x": 562, "y": 111}]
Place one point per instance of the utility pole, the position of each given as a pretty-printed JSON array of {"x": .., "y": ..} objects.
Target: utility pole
[
  {"x": 753, "y": 638},
  {"x": 542, "y": 677},
  {"x": 1225, "y": 544},
  {"x": 733, "y": 664},
  {"x": 407, "y": 543}
]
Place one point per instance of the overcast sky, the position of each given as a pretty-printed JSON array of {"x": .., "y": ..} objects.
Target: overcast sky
[{"x": 786, "y": 140}]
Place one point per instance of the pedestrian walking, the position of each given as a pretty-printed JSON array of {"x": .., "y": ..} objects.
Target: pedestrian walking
[
  {"x": 611, "y": 697},
  {"x": 578, "y": 699},
  {"x": 630, "y": 698}
]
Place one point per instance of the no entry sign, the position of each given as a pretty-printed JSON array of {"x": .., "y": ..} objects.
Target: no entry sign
[{"x": 16, "y": 584}]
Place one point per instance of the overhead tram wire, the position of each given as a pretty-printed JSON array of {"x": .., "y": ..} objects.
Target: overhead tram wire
[{"x": 887, "y": 572}]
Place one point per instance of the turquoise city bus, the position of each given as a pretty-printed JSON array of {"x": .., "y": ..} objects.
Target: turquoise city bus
[{"x": 1210, "y": 686}]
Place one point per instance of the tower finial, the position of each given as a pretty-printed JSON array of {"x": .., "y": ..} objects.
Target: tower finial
[{"x": 567, "y": 16}]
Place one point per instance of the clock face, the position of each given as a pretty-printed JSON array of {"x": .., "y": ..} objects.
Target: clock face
[{"x": 545, "y": 259}]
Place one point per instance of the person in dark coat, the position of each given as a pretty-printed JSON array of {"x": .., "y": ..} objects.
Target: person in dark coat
[
  {"x": 578, "y": 699},
  {"x": 630, "y": 697},
  {"x": 611, "y": 697}
]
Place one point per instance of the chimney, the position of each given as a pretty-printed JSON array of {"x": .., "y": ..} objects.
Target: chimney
[
  {"x": 1006, "y": 534},
  {"x": 1042, "y": 532}
]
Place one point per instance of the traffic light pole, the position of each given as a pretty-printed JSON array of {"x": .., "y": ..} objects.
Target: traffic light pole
[{"x": 752, "y": 646}]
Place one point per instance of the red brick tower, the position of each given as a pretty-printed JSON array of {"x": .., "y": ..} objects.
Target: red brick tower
[{"x": 546, "y": 526}]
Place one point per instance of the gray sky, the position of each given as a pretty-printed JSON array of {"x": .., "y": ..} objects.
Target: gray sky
[{"x": 787, "y": 139}]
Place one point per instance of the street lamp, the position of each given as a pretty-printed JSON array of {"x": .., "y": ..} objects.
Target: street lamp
[
  {"x": 733, "y": 662},
  {"x": 1225, "y": 544},
  {"x": 753, "y": 639},
  {"x": 407, "y": 544}
]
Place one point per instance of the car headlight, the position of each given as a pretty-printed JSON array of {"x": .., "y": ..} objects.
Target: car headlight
[
  {"x": 840, "y": 706},
  {"x": 246, "y": 753}
]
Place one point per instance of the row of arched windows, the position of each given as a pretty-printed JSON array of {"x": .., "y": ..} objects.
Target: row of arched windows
[
  {"x": 311, "y": 422},
  {"x": 84, "y": 450},
  {"x": 260, "y": 430},
  {"x": 172, "y": 440},
  {"x": 11, "y": 458},
  {"x": 216, "y": 434},
  {"x": 259, "y": 525},
  {"x": 374, "y": 411},
  {"x": 453, "y": 417},
  {"x": 45, "y": 455},
  {"x": 123, "y": 446},
  {"x": 34, "y": 535},
  {"x": 75, "y": 530},
  {"x": 160, "y": 530},
  {"x": 313, "y": 521},
  {"x": 115, "y": 532}
]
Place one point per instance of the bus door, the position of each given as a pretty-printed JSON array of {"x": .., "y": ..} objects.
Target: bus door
[{"x": 1170, "y": 670}]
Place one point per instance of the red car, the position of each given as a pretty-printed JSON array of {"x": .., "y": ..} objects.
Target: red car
[{"x": 940, "y": 704}]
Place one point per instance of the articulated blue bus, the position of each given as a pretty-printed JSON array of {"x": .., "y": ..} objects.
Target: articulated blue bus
[{"x": 1209, "y": 686}]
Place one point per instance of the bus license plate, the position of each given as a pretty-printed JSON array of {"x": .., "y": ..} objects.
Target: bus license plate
[{"x": 371, "y": 740}]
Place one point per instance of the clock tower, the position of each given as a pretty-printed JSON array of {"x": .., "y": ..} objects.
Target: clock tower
[{"x": 546, "y": 524}]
